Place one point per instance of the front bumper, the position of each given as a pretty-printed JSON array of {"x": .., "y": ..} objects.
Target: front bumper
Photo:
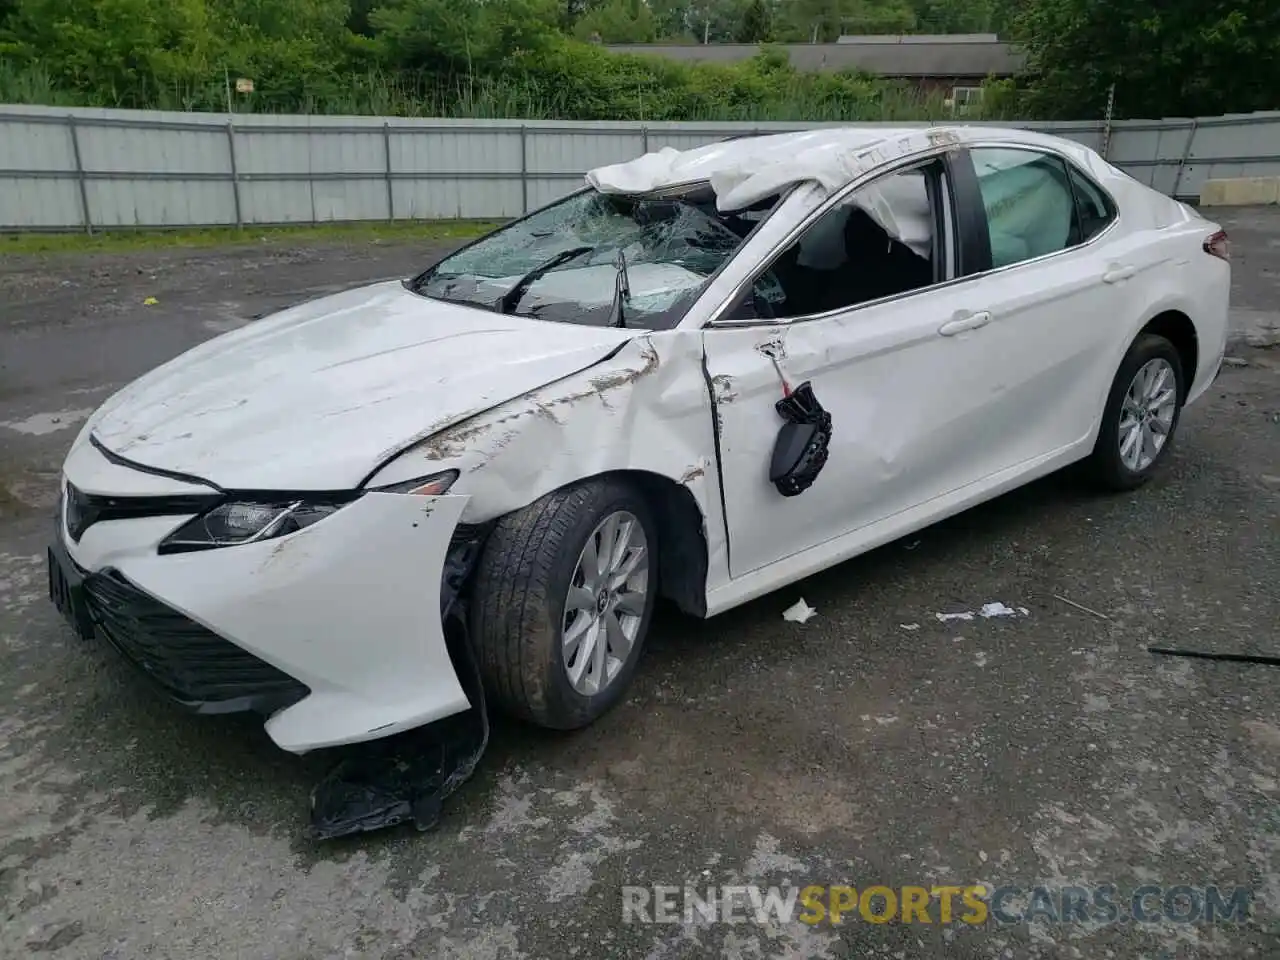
[
  {"x": 190, "y": 663},
  {"x": 335, "y": 630}
]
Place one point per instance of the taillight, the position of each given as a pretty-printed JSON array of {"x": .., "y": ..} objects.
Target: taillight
[{"x": 1218, "y": 246}]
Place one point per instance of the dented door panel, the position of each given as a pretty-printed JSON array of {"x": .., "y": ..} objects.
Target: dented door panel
[{"x": 912, "y": 419}]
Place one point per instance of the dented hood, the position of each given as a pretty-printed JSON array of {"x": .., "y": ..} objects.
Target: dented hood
[{"x": 316, "y": 396}]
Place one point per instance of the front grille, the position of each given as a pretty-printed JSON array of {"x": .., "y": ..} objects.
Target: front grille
[
  {"x": 193, "y": 664},
  {"x": 82, "y": 510}
]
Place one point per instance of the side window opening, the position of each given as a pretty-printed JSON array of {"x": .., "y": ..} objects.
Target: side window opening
[
  {"x": 1093, "y": 207},
  {"x": 1031, "y": 208},
  {"x": 880, "y": 241}
]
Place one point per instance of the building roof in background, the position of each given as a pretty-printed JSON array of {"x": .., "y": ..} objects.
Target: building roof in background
[{"x": 969, "y": 55}]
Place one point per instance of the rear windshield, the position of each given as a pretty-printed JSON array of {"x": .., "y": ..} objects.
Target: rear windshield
[{"x": 568, "y": 258}]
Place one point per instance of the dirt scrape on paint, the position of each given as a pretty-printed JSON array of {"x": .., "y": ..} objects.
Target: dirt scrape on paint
[
  {"x": 274, "y": 556},
  {"x": 722, "y": 388},
  {"x": 693, "y": 473},
  {"x": 621, "y": 378},
  {"x": 458, "y": 439}
]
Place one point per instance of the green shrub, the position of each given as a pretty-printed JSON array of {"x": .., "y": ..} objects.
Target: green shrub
[{"x": 503, "y": 58}]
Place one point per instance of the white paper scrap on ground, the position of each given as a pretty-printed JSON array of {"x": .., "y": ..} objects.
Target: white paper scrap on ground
[
  {"x": 998, "y": 609},
  {"x": 798, "y": 612},
  {"x": 944, "y": 617}
]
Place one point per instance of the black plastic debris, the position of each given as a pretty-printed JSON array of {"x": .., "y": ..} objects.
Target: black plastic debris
[
  {"x": 402, "y": 778},
  {"x": 1264, "y": 659},
  {"x": 408, "y": 776},
  {"x": 800, "y": 451}
]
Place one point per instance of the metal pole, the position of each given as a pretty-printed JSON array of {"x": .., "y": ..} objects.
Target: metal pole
[
  {"x": 84, "y": 189},
  {"x": 524, "y": 169},
  {"x": 1106, "y": 130},
  {"x": 386, "y": 148},
  {"x": 235, "y": 172},
  {"x": 1186, "y": 153},
  {"x": 644, "y": 139}
]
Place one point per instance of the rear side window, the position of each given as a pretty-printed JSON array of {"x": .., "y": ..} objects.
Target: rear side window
[
  {"x": 1093, "y": 206},
  {"x": 1029, "y": 202}
]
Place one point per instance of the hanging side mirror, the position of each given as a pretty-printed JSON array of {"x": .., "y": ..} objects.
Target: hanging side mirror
[{"x": 801, "y": 448}]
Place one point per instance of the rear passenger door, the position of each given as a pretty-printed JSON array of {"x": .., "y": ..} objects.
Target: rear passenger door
[{"x": 1042, "y": 268}]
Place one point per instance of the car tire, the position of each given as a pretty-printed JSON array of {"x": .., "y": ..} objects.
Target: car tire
[
  {"x": 522, "y": 611},
  {"x": 1113, "y": 464}
]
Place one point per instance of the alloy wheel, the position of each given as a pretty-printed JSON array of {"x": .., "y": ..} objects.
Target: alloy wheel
[
  {"x": 1146, "y": 415},
  {"x": 605, "y": 603}
]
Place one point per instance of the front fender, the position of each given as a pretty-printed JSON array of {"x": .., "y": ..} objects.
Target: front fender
[{"x": 647, "y": 408}]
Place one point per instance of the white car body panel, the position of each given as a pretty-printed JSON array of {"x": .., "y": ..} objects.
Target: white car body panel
[
  {"x": 379, "y": 386},
  {"x": 646, "y": 409},
  {"x": 337, "y": 385},
  {"x": 359, "y": 625},
  {"x": 98, "y": 475}
]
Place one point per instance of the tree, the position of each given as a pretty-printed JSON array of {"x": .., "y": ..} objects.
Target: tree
[
  {"x": 756, "y": 25},
  {"x": 1165, "y": 57},
  {"x": 618, "y": 21},
  {"x": 445, "y": 37},
  {"x": 953, "y": 16},
  {"x": 714, "y": 21},
  {"x": 825, "y": 20},
  {"x": 117, "y": 52}
]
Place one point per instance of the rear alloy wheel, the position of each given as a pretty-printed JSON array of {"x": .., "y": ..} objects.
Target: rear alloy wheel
[
  {"x": 563, "y": 597},
  {"x": 1142, "y": 414}
]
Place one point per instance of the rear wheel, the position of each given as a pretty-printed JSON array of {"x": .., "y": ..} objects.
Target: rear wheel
[
  {"x": 564, "y": 593},
  {"x": 1141, "y": 415}
]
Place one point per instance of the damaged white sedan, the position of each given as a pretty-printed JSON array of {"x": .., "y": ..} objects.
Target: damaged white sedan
[{"x": 704, "y": 376}]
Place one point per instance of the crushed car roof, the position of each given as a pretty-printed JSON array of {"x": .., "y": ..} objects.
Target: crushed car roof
[{"x": 746, "y": 170}]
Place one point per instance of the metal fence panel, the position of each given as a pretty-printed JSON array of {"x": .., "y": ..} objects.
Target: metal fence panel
[
  {"x": 35, "y": 146},
  {"x": 95, "y": 168},
  {"x": 28, "y": 204}
]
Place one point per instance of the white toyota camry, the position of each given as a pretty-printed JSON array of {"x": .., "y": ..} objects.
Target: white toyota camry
[{"x": 705, "y": 375}]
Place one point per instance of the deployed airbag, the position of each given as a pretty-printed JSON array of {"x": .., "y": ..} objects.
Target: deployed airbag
[
  {"x": 900, "y": 205},
  {"x": 641, "y": 175}
]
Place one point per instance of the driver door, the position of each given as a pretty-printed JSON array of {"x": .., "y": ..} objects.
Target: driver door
[{"x": 864, "y": 307}]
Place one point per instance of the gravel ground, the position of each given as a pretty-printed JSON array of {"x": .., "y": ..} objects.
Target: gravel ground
[{"x": 874, "y": 744}]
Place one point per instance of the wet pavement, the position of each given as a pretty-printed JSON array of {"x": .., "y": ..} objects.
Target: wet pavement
[{"x": 875, "y": 744}]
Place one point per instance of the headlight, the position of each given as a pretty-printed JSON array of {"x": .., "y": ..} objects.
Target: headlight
[{"x": 235, "y": 522}]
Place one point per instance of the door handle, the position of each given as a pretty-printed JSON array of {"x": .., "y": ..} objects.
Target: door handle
[
  {"x": 1117, "y": 273},
  {"x": 959, "y": 325}
]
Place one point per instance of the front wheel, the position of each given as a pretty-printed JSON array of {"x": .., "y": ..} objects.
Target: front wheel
[
  {"x": 562, "y": 600},
  {"x": 1141, "y": 415}
]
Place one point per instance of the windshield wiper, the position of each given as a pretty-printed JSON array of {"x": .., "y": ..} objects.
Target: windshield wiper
[
  {"x": 508, "y": 302},
  {"x": 621, "y": 290}
]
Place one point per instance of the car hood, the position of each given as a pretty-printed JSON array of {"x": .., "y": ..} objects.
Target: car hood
[{"x": 318, "y": 395}]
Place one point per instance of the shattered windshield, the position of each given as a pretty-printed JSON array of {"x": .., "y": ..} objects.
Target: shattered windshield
[{"x": 592, "y": 257}]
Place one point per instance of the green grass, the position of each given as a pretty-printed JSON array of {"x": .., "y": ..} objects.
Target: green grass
[
  {"x": 375, "y": 92},
  {"x": 125, "y": 240}
]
